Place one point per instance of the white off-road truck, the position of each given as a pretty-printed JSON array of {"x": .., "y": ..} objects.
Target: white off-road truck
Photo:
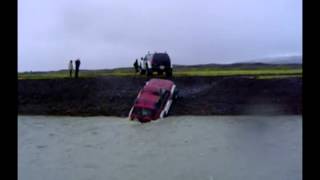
[{"x": 156, "y": 62}]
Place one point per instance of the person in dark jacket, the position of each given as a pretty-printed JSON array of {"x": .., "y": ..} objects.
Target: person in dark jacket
[
  {"x": 70, "y": 67},
  {"x": 77, "y": 68},
  {"x": 136, "y": 65}
]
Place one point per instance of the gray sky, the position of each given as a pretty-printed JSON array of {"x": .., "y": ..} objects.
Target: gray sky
[{"x": 112, "y": 33}]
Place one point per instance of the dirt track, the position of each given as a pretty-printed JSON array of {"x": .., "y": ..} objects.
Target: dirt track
[{"x": 113, "y": 96}]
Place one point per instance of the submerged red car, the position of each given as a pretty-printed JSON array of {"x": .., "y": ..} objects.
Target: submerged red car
[{"x": 153, "y": 101}]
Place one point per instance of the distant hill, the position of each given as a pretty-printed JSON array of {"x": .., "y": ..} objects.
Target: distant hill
[
  {"x": 280, "y": 60},
  {"x": 287, "y": 61},
  {"x": 239, "y": 66}
]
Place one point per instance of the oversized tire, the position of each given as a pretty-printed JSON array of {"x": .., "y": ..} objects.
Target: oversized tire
[
  {"x": 143, "y": 72},
  {"x": 169, "y": 72},
  {"x": 149, "y": 72}
]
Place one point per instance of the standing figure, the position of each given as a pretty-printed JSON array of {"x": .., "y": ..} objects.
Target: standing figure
[
  {"x": 136, "y": 66},
  {"x": 70, "y": 67},
  {"x": 77, "y": 68}
]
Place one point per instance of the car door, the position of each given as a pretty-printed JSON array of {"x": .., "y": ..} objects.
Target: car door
[{"x": 164, "y": 98}]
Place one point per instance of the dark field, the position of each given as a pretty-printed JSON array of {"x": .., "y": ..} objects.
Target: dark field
[{"x": 114, "y": 96}]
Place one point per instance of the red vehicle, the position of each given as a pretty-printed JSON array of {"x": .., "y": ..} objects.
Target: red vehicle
[{"x": 153, "y": 101}]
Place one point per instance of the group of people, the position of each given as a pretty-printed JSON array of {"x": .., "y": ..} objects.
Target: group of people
[
  {"x": 137, "y": 65},
  {"x": 70, "y": 67}
]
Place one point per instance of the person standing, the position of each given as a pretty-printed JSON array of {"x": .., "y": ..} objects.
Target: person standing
[
  {"x": 70, "y": 67},
  {"x": 136, "y": 66},
  {"x": 77, "y": 68}
]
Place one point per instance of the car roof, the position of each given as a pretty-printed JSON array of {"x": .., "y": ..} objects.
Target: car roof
[
  {"x": 151, "y": 89},
  {"x": 147, "y": 97},
  {"x": 147, "y": 100}
]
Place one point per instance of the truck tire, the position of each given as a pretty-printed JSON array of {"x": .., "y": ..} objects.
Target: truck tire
[
  {"x": 169, "y": 72},
  {"x": 149, "y": 71},
  {"x": 142, "y": 72}
]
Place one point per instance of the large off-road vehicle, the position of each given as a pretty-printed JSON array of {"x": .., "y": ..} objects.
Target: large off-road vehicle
[{"x": 156, "y": 62}]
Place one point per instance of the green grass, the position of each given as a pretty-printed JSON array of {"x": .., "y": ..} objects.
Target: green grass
[
  {"x": 237, "y": 72},
  {"x": 65, "y": 74},
  {"x": 278, "y": 76},
  {"x": 261, "y": 73}
]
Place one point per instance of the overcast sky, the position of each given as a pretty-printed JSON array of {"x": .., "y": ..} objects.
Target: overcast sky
[{"x": 113, "y": 33}]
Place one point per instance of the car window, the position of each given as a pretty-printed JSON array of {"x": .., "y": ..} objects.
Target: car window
[
  {"x": 164, "y": 94},
  {"x": 146, "y": 112},
  {"x": 143, "y": 111},
  {"x": 163, "y": 97},
  {"x": 154, "y": 92},
  {"x": 158, "y": 104}
]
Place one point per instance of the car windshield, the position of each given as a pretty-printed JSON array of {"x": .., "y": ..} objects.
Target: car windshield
[
  {"x": 152, "y": 91},
  {"x": 143, "y": 111}
]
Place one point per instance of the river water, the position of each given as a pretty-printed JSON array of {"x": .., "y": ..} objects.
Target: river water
[{"x": 182, "y": 147}]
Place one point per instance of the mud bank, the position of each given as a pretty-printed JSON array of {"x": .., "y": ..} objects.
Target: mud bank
[{"x": 114, "y": 96}]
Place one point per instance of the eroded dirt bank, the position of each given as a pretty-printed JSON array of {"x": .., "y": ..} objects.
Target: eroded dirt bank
[{"x": 114, "y": 96}]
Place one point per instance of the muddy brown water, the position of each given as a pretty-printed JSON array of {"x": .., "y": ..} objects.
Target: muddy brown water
[{"x": 181, "y": 147}]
